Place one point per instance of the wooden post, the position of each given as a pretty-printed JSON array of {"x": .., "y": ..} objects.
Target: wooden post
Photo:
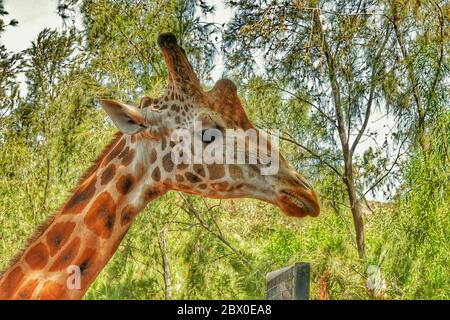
[{"x": 289, "y": 283}]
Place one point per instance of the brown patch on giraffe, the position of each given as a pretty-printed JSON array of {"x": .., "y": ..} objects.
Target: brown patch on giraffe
[
  {"x": 235, "y": 171},
  {"x": 156, "y": 174},
  {"x": 128, "y": 214},
  {"x": 116, "y": 151},
  {"x": 175, "y": 108},
  {"x": 220, "y": 186},
  {"x": 192, "y": 177},
  {"x": 52, "y": 291},
  {"x": 58, "y": 236},
  {"x": 11, "y": 283},
  {"x": 216, "y": 171},
  {"x": 88, "y": 267},
  {"x": 167, "y": 162},
  {"x": 37, "y": 256},
  {"x": 108, "y": 174},
  {"x": 179, "y": 178},
  {"x": 67, "y": 256},
  {"x": 141, "y": 169},
  {"x": 199, "y": 169},
  {"x": 202, "y": 186},
  {"x": 163, "y": 143},
  {"x": 125, "y": 184},
  {"x": 151, "y": 193},
  {"x": 133, "y": 138},
  {"x": 81, "y": 197},
  {"x": 101, "y": 215},
  {"x": 85, "y": 262},
  {"x": 238, "y": 186},
  {"x": 153, "y": 156},
  {"x": 182, "y": 166},
  {"x": 124, "y": 152},
  {"x": 26, "y": 291},
  {"x": 127, "y": 156}
]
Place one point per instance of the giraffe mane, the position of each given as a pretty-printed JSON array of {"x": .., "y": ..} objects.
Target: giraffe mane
[
  {"x": 96, "y": 163},
  {"x": 44, "y": 225}
]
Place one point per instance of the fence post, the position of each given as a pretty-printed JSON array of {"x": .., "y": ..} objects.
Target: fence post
[{"x": 289, "y": 283}]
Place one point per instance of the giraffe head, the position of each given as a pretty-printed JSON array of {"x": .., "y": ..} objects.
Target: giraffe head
[{"x": 190, "y": 130}]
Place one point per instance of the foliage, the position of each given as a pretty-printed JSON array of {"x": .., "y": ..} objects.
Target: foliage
[
  {"x": 51, "y": 129},
  {"x": 415, "y": 254}
]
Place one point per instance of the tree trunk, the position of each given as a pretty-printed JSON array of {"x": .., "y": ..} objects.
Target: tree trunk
[
  {"x": 343, "y": 137},
  {"x": 356, "y": 212},
  {"x": 166, "y": 263}
]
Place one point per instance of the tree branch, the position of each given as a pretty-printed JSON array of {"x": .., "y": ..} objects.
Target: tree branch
[
  {"x": 371, "y": 93},
  {"x": 379, "y": 180},
  {"x": 219, "y": 236},
  {"x": 307, "y": 102},
  {"x": 412, "y": 78},
  {"x": 165, "y": 262},
  {"x": 441, "y": 53},
  {"x": 315, "y": 155}
]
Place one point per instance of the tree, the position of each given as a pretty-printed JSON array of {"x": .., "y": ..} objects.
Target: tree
[
  {"x": 419, "y": 80},
  {"x": 120, "y": 38},
  {"x": 330, "y": 56},
  {"x": 318, "y": 71},
  {"x": 10, "y": 65}
]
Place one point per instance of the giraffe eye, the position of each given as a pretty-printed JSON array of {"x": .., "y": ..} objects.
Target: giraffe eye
[{"x": 208, "y": 136}]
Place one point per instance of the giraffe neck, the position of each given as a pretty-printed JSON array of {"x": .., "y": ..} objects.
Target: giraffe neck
[{"x": 67, "y": 255}]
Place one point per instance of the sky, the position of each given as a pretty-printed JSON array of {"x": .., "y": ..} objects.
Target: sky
[{"x": 34, "y": 15}]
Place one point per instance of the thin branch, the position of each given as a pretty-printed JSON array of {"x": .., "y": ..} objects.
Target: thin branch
[
  {"x": 378, "y": 181},
  {"x": 146, "y": 58},
  {"x": 344, "y": 13},
  {"x": 412, "y": 79},
  {"x": 441, "y": 52},
  {"x": 307, "y": 102},
  {"x": 371, "y": 93},
  {"x": 165, "y": 261},
  {"x": 219, "y": 236},
  {"x": 47, "y": 182},
  {"x": 315, "y": 155}
]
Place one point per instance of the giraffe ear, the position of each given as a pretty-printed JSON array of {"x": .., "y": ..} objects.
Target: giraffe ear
[{"x": 128, "y": 119}]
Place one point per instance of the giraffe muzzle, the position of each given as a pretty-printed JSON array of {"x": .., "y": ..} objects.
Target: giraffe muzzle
[{"x": 299, "y": 203}]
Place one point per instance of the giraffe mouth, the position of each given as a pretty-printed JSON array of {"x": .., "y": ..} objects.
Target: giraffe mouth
[{"x": 299, "y": 204}]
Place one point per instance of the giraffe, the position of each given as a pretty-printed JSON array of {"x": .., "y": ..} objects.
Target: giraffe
[{"x": 136, "y": 168}]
